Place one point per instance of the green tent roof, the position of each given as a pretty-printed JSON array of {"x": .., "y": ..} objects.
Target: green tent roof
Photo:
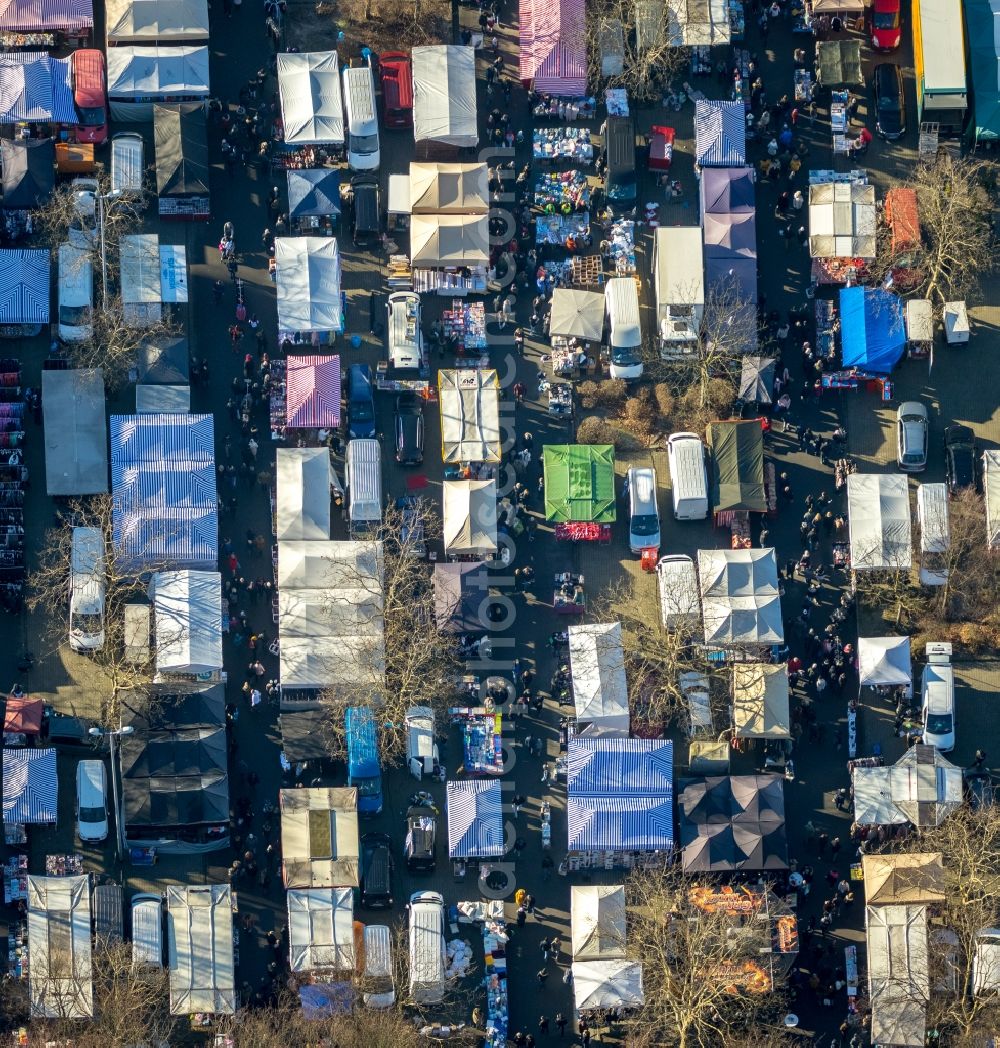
[
  {"x": 839, "y": 62},
  {"x": 579, "y": 483},
  {"x": 737, "y": 465},
  {"x": 984, "y": 66}
]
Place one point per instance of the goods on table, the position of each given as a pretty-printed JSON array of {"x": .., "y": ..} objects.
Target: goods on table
[
  {"x": 17, "y": 950},
  {"x": 567, "y": 109},
  {"x": 466, "y": 323},
  {"x": 737, "y": 20},
  {"x": 561, "y": 400},
  {"x": 63, "y": 865},
  {"x": 568, "y": 231},
  {"x": 276, "y": 405},
  {"x": 562, "y": 190},
  {"x": 621, "y": 246},
  {"x": 482, "y": 752},
  {"x": 562, "y": 143},
  {"x": 583, "y": 531},
  {"x": 400, "y": 273},
  {"x": 804, "y": 85},
  {"x": 616, "y": 101},
  {"x": 587, "y": 271},
  {"x": 15, "y": 879},
  {"x": 459, "y": 955},
  {"x": 826, "y": 328},
  {"x": 495, "y": 981},
  {"x": 701, "y": 60}
]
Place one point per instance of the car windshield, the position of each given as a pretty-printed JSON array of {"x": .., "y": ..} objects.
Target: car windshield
[
  {"x": 87, "y": 624},
  {"x": 886, "y": 19},
  {"x": 92, "y": 117},
  {"x": 625, "y": 355},
  {"x": 74, "y": 316},
  {"x": 645, "y": 524},
  {"x": 92, "y": 815},
  {"x": 362, "y": 412},
  {"x": 368, "y": 787},
  {"x": 939, "y": 723},
  {"x": 364, "y": 143}
]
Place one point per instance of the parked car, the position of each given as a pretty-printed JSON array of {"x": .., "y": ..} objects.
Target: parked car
[
  {"x": 409, "y": 429},
  {"x": 82, "y": 231},
  {"x": 420, "y": 848},
  {"x": 411, "y": 536},
  {"x": 91, "y": 801},
  {"x": 890, "y": 109},
  {"x": 959, "y": 458},
  {"x": 885, "y": 21},
  {"x": 360, "y": 402},
  {"x": 911, "y": 436},
  {"x": 376, "y": 870}
]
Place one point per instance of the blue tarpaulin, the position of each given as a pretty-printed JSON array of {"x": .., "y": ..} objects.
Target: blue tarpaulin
[{"x": 872, "y": 332}]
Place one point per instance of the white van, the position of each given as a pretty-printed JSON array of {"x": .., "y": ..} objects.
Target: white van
[
  {"x": 147, "y": 930},
  {"x": 91, "y": 801},
  {"x": 406, "y": 340},
  {"x": 87, "y": 585},
  {"x": 427, "y": 956},
  {"x": 643, "y": 516},
  {"x": 937, "y": 698},
  {"x": 680, "y": 605},
  {"x": 935, "y": 533},
  {"x": 380, "y": 988},
  {"x": 621, "y": 305},
  {"x": 688, "y": 476},
  {"x": 362, "y": 119},
  {"x": 698, "y": 699},
  {"x": 76, "y": 294},
  {"x": 421, "y": 750},
  {"x": 363, "y": 479},
  {"x": 678, "y": 270},
  {"x": 128, "y": 165}
]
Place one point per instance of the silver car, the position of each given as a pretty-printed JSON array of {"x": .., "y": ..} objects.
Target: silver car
[{"x": 911, "y": 436}]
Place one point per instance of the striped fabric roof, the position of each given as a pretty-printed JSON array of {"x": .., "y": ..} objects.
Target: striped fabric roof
[
  {"x": 25, "y": 16},
  {"x": 36, "y": 87},
  {"x": 165, "y": 511},
  {"x": 620, "y": 824},
  {"x": 720, "y": 134},
  {"x": 553, "y": 51},
  {"x": 475, "y": 819},
  {"x": 30, "y": 786},
  {"x": 312, "y": 394},
  {"x": 24, "y": 286}
]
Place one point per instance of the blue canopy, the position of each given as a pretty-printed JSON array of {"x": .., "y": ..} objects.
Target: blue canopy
[
  {"x": 475, "y": 819},
  {"x": 314, "y": 191},
  {"x": 720, "y": 134},
  {"x": 872, "y": 332},
  {"x": 29, "y": 786},
  {"x": 36, "y": 88}
]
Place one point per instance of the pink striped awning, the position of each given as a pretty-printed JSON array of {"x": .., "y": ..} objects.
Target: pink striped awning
[
  {"x": 312, "y": 392},
  {"x": 37, "y": 16},
  {"x": 553, "y": 46}
]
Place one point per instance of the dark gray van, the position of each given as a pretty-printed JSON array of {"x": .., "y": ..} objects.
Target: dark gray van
[
  {"x": 107, "y": 905},
  {"x": 366, "y": 218},
  {"x": 376, "y": 870},
  {"x": 619, "y": 147}
]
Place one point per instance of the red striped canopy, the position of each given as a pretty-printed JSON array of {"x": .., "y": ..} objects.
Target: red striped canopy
[
  {"x": 26, "y": 16},
  {"x": 553, "y": 46},
  {"x": 312, "y": 392}
]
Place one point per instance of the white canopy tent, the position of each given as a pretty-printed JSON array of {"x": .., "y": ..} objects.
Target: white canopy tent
[
  {"x": 156, "y": 21},
  {"x": 739, "y": 596},
  {"x": 60, "y": 977},
  {"x": 577, "y": 314},
  {"x": 444, "y": 95},
  {"x": 308, "y": 278},
  {"x": 458, "y": 189},
  {"x": 319, "y": 837},
  {"x": 760, "y": 701},
  {"x": 200, "y": 949},
  {"x": 597, "y": 666},
  {"x": 157, "y": 400},
  {"x": 139, "y": 77},
  {"x": 597, "y": 920},
  {"x": 187, "y": 606},
  {"x": 470, "y": 415},
  {"x": 311, "y": 108},
  {"x": 303, "y": 479},
  {"x": 76, "y": 433},
  {"x": 922, "y": 788},
  {"x": 878, "y": 517},
  {"x": 607, "y": 984},
  {"x": 898, "y": 974},
  {"x": 470, "y": 518},
  {"x": 884, "y": 661},
  {"x": 437, "y": 241},
  {"x": 842, "y": 220},
  {"x": 698, "y": 23},
  {"x": 321, "y": 929},
  {"x": 873, "y": 805}
]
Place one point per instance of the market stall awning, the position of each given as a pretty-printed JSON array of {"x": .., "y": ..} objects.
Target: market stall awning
[
  {"x": 319, "y": 837},
  {"x": 23, "y": 716},
  {"x": 597, "y": 920},
  {"x": 439, "y": 241},
  {"x": 164, "y": 360},
  {"x": 312, "y": 393},
  {"x": 41, "y": 16},
  {"x": 760, "y": 701},
  {"x": 30, "y": 786},
  {"x": 727, "y": 191},
  {"x": 180, "y": 133},
  {"x": 872, "y": 329},
  {"x": 311, "y": 108},
  {"x": 607, "y": 984},
  {"x": 470, "y": 517},
  {"x": 838, "y": 63},
  {"x": 475, "y": 819},
  {"x": 982, "y": 30},
  {"x": 36, "y": 88},
  {"x": 29, "y": 171},
  {"x": 878, "y": 518},
  {"x": 303, "y": 735},
  {"x": 444, "y": 95},
  {"x": 60, "y": 975},
  {"x": 308, "y": 279},
  {"x": 460, "y": 189},
  {"x": 579, "y": 483},
  {"x": 731, "y": 235},
  {"x": 577, "y": 314},
  {"x": 739, "y": 597},
  {"x": 720, "y": 134},
  {"x": 873, "y": 804},
  {"x": 757, "y": 379},
  {"x": 142, "y": 74},
  {"x": 314, "y": 191},
  {"x": 553, "y": 50},
  {"x": 597, "y": 666},
  {"x": 461, "y": 591},
  {"x": 302, "y": 490},
  {"x": 470, "y": 415},
  {"x": 842, "y": 220},
  {"x": 698, "y": 23},
  {"x": 156, "y": 21},
  {"x": 737, "y": 454},
  {"x": 200, "y": 947},
  {"x": 884, "y": 661},
  {"x": 188, "y": 621},
  {"x": 24, "y": 285},
  {"x": 908, "y": 877},
  {"x": 76, "y": 432},
  {"x": 898, "y": 974},
  {"x": 925, "y": 786},
  {"x": 321, "y": 930}
]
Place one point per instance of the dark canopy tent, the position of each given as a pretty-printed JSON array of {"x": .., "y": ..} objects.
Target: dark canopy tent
[
  {"x": 838, "y": 63},
  {"x": 29, "y": 171},
  {"x": 620, "y": 147},
  {"x": 190, "y": 706},
  {"x": 302, "y": 735},
  {"x": 315, "y": 191},
  {"x": 757, "y": 379},
  {"x": 181, "y": 136},
  {"x": 727, "y": 191},
  {"x": 164, "y": 362},
  {"x": 737, "y": 450},
  {"x": 459, "y": 592}
]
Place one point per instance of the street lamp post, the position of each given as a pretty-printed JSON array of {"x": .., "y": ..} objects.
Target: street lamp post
[
  {"x": 104, "y": 256},
  {"x": 113, "y": 733}
]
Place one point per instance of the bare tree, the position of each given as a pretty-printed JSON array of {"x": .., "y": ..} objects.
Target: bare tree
[{"x": 892, "y": 588}]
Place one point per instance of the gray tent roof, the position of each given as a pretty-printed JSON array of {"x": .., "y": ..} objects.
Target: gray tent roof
[
  {"x": 302, "y": 735},
  {"x": 577, "y": 314},
  {"x": 839, "y": 62},
  {"x": 164, "y": 361},
  {"x": 29, "y": 171},
  {"x": 76, "y": 433},
  {"x": 459, "y": 591},
  {"x": 315, "y": 191},
  {"x": 162, "y": 400},
  {"x": 757, "y": 378},
  {"x": 181, "y": 705},
  {"x": 181, "y": 136},
  {"x": 727, "y": 190}
]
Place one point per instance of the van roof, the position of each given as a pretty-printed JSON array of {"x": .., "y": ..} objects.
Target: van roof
[
  {"x": 359, "y": 93},
  {"x": 91, "y": 772},
  {"x": 87, "y": 551},
  {"x": 397, "y": 80},
  {"x": 642, "y": 480}
]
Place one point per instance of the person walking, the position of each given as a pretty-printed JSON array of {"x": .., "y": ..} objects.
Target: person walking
[
  {"x": 543, "y": 1025},
  {"x": 561, "y": 1023}
]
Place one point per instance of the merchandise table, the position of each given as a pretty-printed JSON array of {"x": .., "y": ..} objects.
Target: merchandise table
[{"x": 558, "y": 144}]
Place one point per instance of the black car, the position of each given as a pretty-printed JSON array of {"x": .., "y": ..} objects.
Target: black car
[
  {"x": 376, "y": 871},
  {"x": 421, "y": 839},
  {"x": 366, "y": 222},
  {"x": 412, "y": 539},
  {"x": 959, "y": 458},
  {"x": 890, "y": 109},
  {"x": 409, "y": 429}
]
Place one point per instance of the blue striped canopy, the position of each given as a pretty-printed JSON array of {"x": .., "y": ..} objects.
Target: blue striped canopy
[
  {"x": 620, "y": 824},
  {"x": 720, "y": 134},
  {"x": 30, "y": 786},
  {"x": 475, "y": 819},
  {"x": 36, "y": 88},
  {"x": 165, "y": 509},
  {"x": 24, "y": 286}
]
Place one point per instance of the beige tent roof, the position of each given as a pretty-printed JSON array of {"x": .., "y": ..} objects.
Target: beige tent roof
[
  {"x": 319, "y": 838},
  {"x": 597, "y": 919},
  {"x": 760, "y": 701},
  {"x": 910, "y": 878},
  {"x": 449, "y": 240},
  {"x": 470, "y": 517},
  {"x": 841, "y": 220},
  {"x": 461, "y": 189}
]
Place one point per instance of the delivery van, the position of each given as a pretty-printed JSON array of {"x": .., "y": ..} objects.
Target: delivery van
[
  {"x": 147, "y": 930},
  {"x": 427, "y": 949},
  {"x": 698, "y": 698},
  {"x": 421, "y": 749},
  {"x": 363, "y": 480},
  {"x": 76, "y": 294},
  {"x": 362, "y": 119},
  {"x": 935, "y": 533},
  {"x": 364, "y": 772},
  {"x": 360, "y": 401},
  {"x": 137, "y": 632},
  {"x": 643, "y": 515},
  {"x": 379, "y": 984},
  {"x": 688, "y": 476},
  {"x": 677, "y": 581},
  {"x": 937, "y": 697},
  {"x": 406, "y": 340},
  {"x": 678, "y": 271},
  {"x": 396, "y": 74},
  {"x": 90, "y": 96},
  {"x": 621, "y": 304},
  {"x": 91, "y": 801},
  {"x": 87, "y": 585},
  {"x": 128, "y": 165},
  {"x": 106, "y": 904},
  {"x": 619, "y": 150}
]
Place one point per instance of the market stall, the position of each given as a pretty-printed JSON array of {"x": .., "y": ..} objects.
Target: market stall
[
  {"x": 470, "y": 518},
  {"x": 464, "y": 326},
  {"x": 308, "y": 277},
  {"x": 181, "y": 136},
  {"x": 311, "y": 110},
  {"x": 580, "y": 490},
  {"x": 321, "y": 931},
  {"x": 313, "y": 200},
  {"x": 444, "y": 97},
  {"x": 470, "y": 415},
  {"x": 661, "y": 147},
  {"x": 449, "y": 253},
  {"x": 449, "y": 189},
  {"x": 761, "y": 701},
  {"x": 38, "y": 90},
  {"x": 76, "y": 432},
  {"x": 553, "y": 53},
  {"x": 302, "y": 505},
  {"x": 22, "y": 719},
  {"x": 562, "y": 191},
  {"x": 562, "y": 144},
  {"x": 29, "y": 173},
  {"x": 597, "y": 921},
  {"x": 30, "y": 787},
  {"x": 919, "y": 319},
  {"x": 727, "y": 191},
  {"x": 740, "y": 599},
  {"x": 606, "y": 984},
  {"x": 720, "y": 134},
  {"x": 597, "y": 669},
  {"x": 571, "y": 231},
  {"x": 838, "y": 63},
  {"x": 878, "y": 516},
  {"x": 482, "y": 745},
  {"x": 203, "y": 946},
  {"x": 872, "y": 330},
  {"x": 705, "y": 23},
  {"x": 739, "y": 477},
  {"x": 461, "y": 593},
  {"x": 576, "y": 315},
  {"x": 475, "y": 819},
  {"x": 46, "y": 23},
  {"x": 757, "y": 380},
  {"x": 842, "y": 230},
  {"x": 187, "y": 622},
  {"x": 24, "y": 291},
  {"x": 884, "y": 662},
  {"x": 312, "y": 393},
  {"x": 156, "y": 22},
  {"x": 140, "y": 77},
  {"x": 984, "y": 56},
  {"x": 898, "y": 992},
  {"x": 315, "y": 860},
  {"x": 60, "y": 977}
]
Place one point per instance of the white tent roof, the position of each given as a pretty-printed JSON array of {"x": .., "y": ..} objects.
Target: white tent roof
[
  {"x": 739, "y": 596},
  {"x": 308, "y": 278},
  {"x": 461, "y": 189},
  {"x": 321, "y": 929},
  {"x": 923, "y": 788},
  {"x": 157, "y": 399},
  {"x": 319, "y": 837},
  {"x": 60, "y": 976},
  {"x": 898, "y": 973},
  {"x": 76, "y": 437},
  {"x": 597, "y": 919},
  {"x": 597, "y": 664},
  {"x": 878, "y": 511},
  {"x": 698, "y": 24},
  {"x": 200, "y": 948},
  {"x": 873, "y": 804},
  {"x": 444, "y": 95},
  {"x": 607, "y": 984},
  {"x": 449, "y": 240},
  {"x": 470, "y": 415},
  {"x": 760, "y": 701},
  {"x": 884, "y": 660},
  {"x": 166, "y": 21},
  {"x": 841, "y": 220},
  {"x": 188, "y": 622},
  {"x": 329, "y": 565},
  {"x": 303, "y": 493},
  {"x": 577, "y": 314},
  {"x": 470, "y": 517},
  {"x": 311, "y": 109},
  {"x": 137, "y": 72}
]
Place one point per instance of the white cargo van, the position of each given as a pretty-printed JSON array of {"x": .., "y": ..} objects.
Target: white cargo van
[
  {"x": 937, "y": 698},
  {"x": 621, "y": 305},
  {"x": 680, "y": 605},
  {"x": 362, "y": 119},
  {"x": 128, "y": 165},
  {"x": 643, "y": 515},
  {"x": 76, "y": 293},
  {"x": 147, "y": 930},
  {"x": 935, "y": 533},
  {"x": 991, "y": 495},
  {"x": 406, "y": 341},
  {"x": 91, "y": 801},
  {"x": 697, "y": 696},
  {"x": 363, "y": 479},
  {"x": 380, "y": 987},
  {"x": 678, "y": 270},
  {"x": 421, "y": 749},
  {"x": 87, "y": 585},
  {"x": 427, "y": 956},
  {"x": 688, "y": 476}
]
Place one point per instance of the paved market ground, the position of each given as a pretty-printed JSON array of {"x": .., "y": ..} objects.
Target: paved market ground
[{"x": 960, "y": 388}]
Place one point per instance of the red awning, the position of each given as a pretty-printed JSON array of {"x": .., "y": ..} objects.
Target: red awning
[
  {"x": 553, "y": 48},
  {"x": 312, "y": 392},
  {"x": 23, "y": 716}
]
